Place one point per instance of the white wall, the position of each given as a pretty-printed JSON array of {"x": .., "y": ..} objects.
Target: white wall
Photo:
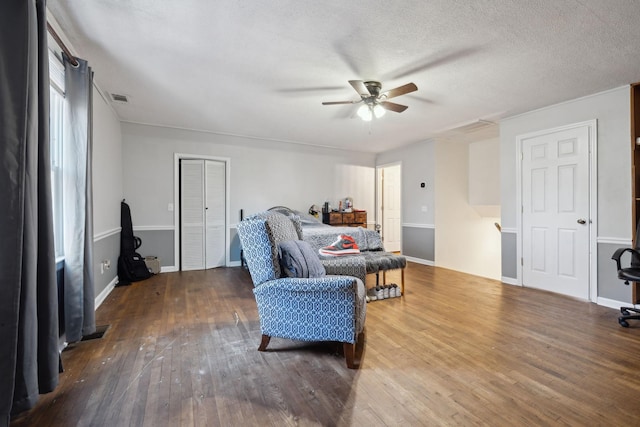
[
  {"x": 107, "y": 194},
  {"x": 357, "y": 182},
  {"x": 107, "y": 166},
  {"x": 263, "y": 173},
  {"x": 464, "y": 240},
  {"x": 417, "y": 162},
  {"x": 484, "y": 176}
]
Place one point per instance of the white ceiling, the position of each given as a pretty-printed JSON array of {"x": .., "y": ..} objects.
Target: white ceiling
[{"x": 262, "y": 68}]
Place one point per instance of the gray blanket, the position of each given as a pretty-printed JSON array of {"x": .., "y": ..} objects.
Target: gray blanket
[{"x": 298, "y": 259}]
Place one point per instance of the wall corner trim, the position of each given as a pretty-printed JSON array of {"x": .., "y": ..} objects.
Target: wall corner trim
[
  {"x": 509, "y": 230},
  {"x": 415, "y": 225},
  {"x": 615, "y": 241},
  {"x": 153, "y": 228},
  {"x": 104, "y": 234}
]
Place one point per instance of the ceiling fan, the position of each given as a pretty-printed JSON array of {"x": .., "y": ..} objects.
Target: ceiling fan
[{"x": 375, "y": 102}]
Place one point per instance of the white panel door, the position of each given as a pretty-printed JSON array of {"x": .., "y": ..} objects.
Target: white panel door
[
  {"x": 192, "y": 218},
  {"x": 391, "y": 213},
  {"x": 215, "y": 214},
  {"x": 555, "y": 212}
]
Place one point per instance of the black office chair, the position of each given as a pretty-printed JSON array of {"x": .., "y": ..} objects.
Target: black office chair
[{"x": 629, "y": 274}]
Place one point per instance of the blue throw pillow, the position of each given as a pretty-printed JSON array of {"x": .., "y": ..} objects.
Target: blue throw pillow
[{"x": 298, "y": 259}]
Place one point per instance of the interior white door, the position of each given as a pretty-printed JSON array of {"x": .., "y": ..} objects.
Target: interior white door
[
  {"x": 215, "y": 197},
  {"x": 555, "y": 212},
  {"x": 192, "y": 217},
  {"x": 391, "y": 208}
]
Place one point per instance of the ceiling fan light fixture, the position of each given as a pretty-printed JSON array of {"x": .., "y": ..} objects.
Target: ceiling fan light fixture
[
  {"x": 364, "y": 112},
  {"x": 379, "y": 111},
  {"x": 374, "y": 102}
]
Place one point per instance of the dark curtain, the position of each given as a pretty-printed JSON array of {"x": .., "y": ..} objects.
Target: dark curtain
[
  {"x": 79, "y": 298},
  {"x": 29, "y": 357}
]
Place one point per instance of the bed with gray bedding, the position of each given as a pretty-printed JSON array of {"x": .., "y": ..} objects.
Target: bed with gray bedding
[{"x": 319, "y": 235}]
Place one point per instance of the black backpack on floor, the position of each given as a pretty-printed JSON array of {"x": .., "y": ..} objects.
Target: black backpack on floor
[{"x": 131, "y": 265}]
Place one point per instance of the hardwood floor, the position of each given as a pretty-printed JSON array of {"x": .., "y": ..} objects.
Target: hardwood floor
[{"x": 181, "y": 350}]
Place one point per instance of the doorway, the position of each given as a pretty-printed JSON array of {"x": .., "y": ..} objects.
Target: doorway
[
  {"x": 201, "y": 217},
  {"x": 389, "y": 205},
  {"x": 557, "y": 220}
]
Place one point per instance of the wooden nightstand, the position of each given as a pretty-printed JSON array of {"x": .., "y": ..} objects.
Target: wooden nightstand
[{"x": 349, "y": 219}]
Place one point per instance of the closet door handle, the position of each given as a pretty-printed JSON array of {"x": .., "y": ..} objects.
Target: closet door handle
[{"x": 582, "y": 221}]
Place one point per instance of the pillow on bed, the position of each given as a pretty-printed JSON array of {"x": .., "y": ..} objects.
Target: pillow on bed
[{"x": 298, "y": 259}]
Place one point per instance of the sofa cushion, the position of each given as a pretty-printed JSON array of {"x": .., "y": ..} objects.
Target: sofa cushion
[{"x": 298, "y": 259}]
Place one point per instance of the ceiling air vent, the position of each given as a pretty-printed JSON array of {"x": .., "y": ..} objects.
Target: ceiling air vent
[
  {"x": 471, "y": 131},
  {"x": 473, "y": 126},
  {"x": 119, "y": 98}
]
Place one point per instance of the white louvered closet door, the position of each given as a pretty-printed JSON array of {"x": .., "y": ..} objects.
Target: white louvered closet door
[
  {"x": 202, "y": 214},
  {"x": 215, "y": 213},
  {"x": 192, "y": 214}
]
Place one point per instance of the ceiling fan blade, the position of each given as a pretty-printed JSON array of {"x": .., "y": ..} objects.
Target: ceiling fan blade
[
  {"x": 340, "y": 102},
  {"x": 392, "y": 106},
  {"x": 408, "y": 88},
  {"x": 360, "y": 87}
]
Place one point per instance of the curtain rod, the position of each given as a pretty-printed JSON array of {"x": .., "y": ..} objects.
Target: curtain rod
[{"x": 64, "y": 48}]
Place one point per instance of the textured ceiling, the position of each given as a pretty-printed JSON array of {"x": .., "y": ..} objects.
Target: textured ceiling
[{"x": 262, "y": 69}]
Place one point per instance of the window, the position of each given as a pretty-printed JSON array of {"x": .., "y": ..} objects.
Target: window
[
  {"x": 56, "y": 102},
  {"x": 56, "y": 127}
]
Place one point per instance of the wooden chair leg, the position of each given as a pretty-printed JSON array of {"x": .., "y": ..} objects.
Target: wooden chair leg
[
  {"x": 349, "y": 353},
  {"x": 264, "y": 343}
]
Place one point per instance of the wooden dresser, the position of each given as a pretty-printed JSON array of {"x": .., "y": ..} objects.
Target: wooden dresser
[{"x": 349, "y": 219}]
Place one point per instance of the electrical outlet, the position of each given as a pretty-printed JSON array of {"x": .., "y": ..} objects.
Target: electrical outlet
[{"x": 105, "y": 265}]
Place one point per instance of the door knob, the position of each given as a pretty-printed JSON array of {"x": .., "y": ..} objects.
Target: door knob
[{"x": 582, "y": 221}]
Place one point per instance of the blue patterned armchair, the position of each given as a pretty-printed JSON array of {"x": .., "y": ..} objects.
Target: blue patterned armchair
[{"x": 329, "y": 308}]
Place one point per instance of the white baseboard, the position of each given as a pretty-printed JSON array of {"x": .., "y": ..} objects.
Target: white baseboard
[
  {"x": 105, "y": 292},
  {"x": 420, "y": 261},
  {"x": 174, "y": 268},
  {"x": 606, "y": 302},
  {"x": 509, "y": 281}
]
